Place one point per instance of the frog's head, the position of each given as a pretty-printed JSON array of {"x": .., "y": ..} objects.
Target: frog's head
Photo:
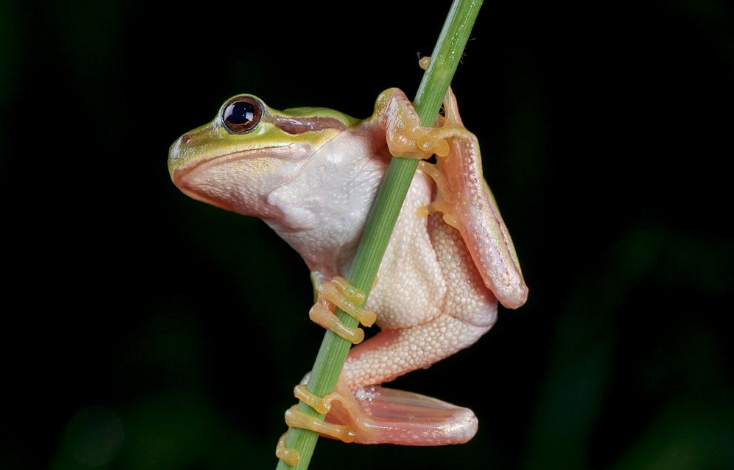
[{"x": 248, "y": 150}]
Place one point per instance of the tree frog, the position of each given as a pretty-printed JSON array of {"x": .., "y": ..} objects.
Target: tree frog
[{"x": 312, "y": 174}]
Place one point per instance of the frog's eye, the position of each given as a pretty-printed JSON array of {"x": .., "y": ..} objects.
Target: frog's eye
[{"x": 242, "y": 114}]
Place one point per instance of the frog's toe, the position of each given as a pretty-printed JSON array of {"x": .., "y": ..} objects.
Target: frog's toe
[{"x": 380, "y": 415}]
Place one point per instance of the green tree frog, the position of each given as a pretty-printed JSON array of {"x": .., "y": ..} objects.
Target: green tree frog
[{"x": 312, "y": 174}]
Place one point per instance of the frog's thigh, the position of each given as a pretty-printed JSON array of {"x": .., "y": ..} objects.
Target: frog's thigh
[
  {"x": 467, "y": 296},
  {"x": 392, "y": 353},
  {"x": 468, "y": 310}
]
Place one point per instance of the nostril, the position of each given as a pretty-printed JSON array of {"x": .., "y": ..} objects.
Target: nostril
[{"x": 186, "y": 139}]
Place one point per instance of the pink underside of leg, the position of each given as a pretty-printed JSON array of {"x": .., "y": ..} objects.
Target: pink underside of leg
[{"x": 382, "y": 415}]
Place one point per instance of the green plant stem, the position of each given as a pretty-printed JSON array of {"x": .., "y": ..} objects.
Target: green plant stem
[{"x": 330, "y": 359}]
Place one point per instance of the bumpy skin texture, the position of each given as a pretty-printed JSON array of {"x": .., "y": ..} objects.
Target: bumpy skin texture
[{"x": 430, "y": 299}]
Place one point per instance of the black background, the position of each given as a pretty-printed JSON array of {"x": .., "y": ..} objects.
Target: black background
[{"x": 137, "y": 321}]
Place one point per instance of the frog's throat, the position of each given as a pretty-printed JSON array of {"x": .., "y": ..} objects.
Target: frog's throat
[{"x": 190, "y": 179}]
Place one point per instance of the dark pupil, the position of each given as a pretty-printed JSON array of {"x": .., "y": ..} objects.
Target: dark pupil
[{"x": 240, "y": 112}]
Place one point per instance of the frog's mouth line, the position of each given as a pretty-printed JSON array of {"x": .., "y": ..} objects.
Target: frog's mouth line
[{"x": 274, "y": 151}]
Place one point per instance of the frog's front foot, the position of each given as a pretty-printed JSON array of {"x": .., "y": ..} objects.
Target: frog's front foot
[
  {"x": 405, "y": 135},
  {"x": 340, "y": 293}
]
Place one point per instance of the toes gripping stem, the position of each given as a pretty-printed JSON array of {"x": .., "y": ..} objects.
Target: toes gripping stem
[
  {"x": 340, "y": 293},
  {"x": 337, "y": 292},
  {"x": 296, "y": 418}
]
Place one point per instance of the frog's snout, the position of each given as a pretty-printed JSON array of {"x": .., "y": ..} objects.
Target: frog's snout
[
  {"x": 182, "y": 153},
  {"x": 174, "y": 156}
]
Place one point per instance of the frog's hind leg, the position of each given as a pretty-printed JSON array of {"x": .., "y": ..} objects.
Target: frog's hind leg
[
  {"x": 467, "y": 204},
  {"x": 464, "y": 198},
  {"x": 384, "y": 415},
  {"x": 381, "y": 415},
  {"x": 468, "y": 310},
  {"x": 372, "y": 414}
]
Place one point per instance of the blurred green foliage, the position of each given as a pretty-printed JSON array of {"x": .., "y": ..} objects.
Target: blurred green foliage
[{"x": 140, "y": 323}]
